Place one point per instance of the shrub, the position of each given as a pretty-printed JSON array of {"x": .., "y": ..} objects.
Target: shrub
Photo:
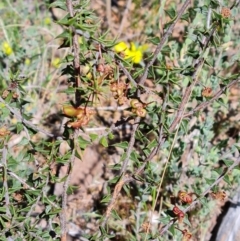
[{"x": 172, "y": 90}]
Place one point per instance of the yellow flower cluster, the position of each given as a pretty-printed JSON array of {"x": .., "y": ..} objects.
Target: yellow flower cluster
[
  {"x": 132, "y": 52},
  {"x": 56, "y": 63},
  {"x": 6, "y": 48}
]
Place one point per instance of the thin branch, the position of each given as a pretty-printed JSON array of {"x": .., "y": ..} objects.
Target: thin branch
[
  {"x": 5, "y": 181},
  {"x": 197, "y": 64},
  {"x": 161, "y": 138},
  {"x": 12, "y": 174},
  {"x": 215, "y": 97},
  {"x": 26, "y": 122},
  {"x": 193, "y": 204},
  {"x": 63, "y": 214},
  {"x": 76, "y": 62},
  {"x": 130, "y": 146},
  {"x": 162, "y": 42},
  {"x": 133, "y": 82},
  {"x": 125, "y": 71},
  {"x": 185, "y": 98},
  {"x": 109, "y": 15},
  {"x": 124, "y": 18}
]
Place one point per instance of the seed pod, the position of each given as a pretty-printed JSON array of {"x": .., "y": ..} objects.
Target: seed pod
[
  {"x": 207, "y": 92},
  {"x": 220, "y": 195},
  {"x": 5, "y": 94},
  {"x": 4, "y": 131},
  {"x": 122, "y": 100},
  {"x": 185, "y": 197},
  {"x": 226, "y": 12},
  {"x": 134, "y": 103},
  {"x": 101, "y": 68},
  {"x": 113, "y": 87},
  {"x": 179, "y": 213},
  {"x": 71, "y": 111},
  {"x": 141, "y": 112},
  {"x": 186, "y": 235}
]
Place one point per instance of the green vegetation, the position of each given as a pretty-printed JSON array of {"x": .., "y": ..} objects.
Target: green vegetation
[{"x": 159, "y": 110}]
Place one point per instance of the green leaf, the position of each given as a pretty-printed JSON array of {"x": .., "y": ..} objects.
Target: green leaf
[
  {"x": 209, "y": 181},
  {"x": 166, "y": 50},
  {"x": 186, "y": 220},
  {"x": 93, "y": 136},
  {"x": 58, "y": 4},
  {"x": 227, "y": 180},
  {"x": 3, "y": 209},
  {"x": 172, "y": 230},
  {"x": 115, "y": 215},
  {"x": 152, "y": 144},
  {"x": 106, "y": 199},
  {"x": 122, "y": 145},
  {"x": 134, "y": 156},
  {"x": 103, "y": 141},
  {"x": 185, "y": 17},
  {"x": 228, "y": 163},
  {"x": 171, "y": 13},
  {"x": 165, "y": 220},
  {"x": 83, "y": 143},
  {"x": 155, "y": 40},
  {"x": 114, "y": 180},
  {"x": 19, "y": 127},
  {"x": 110, "y": 136}
]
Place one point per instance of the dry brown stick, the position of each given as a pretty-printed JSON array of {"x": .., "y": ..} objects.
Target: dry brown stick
[
  {"x": 191, "y": 206},
  {"x": 197, "y": 64},
  {"x": 162, "y": 42},
  {"x": 130, "y": 146},
  {"x": 76, "y": 62},
  {"x": 133, "y": 82},
  {"x": 215, "y": 97},
  {"x": 24, "y": 121},
  {"x": 12, "y": 174},
  {"x": 161, "y": 138},
  {"x": 5, "y": 181},
  {"x": 124, "y": 18},
  {"x": 185, "y": 98},
  {"x": 63, "y": 214}
]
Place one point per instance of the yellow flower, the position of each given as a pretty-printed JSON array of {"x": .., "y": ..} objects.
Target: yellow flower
[
  {"x": 47, "y": 21},
  {"x": 134, "y": 53},
  {"x": 27, "y": 61},
  {"x": 135, "y": 56},
  {"x": 6, "y": 48},
  {"x": 120, "y": 47},
  {"x": 56, "y": 63},
  {"x": 80, "y": 40}
]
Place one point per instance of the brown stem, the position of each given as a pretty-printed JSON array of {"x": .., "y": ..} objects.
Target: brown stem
[
  {"x": 76, "y": 62},
  {"x": 162, "y": 42}
]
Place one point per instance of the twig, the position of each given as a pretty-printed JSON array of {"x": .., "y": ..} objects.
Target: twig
[
  {"x": 133, "y": 82},
  {"x": 109, "y": 15},
  {"x": 185, "y": 98},
  {"x": 5, "y": 181},
  {"x": 124, "y": 17},
  {"x": 161, "y": 138},
  {"x": 63, "y": 215},
  {"x": 197, "y": 64},
  {"x": 162, "y": 42},
  {"x": 215, "y": 97},
  {"x": 12, "y": 174},
  {"x": 236, "y": 163},
  {"x": 130, "y": 146},
  {"x": 125, "y": 71},
  {"x": 76, "y": 62},
  {"x": 26, "y": 122}
]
